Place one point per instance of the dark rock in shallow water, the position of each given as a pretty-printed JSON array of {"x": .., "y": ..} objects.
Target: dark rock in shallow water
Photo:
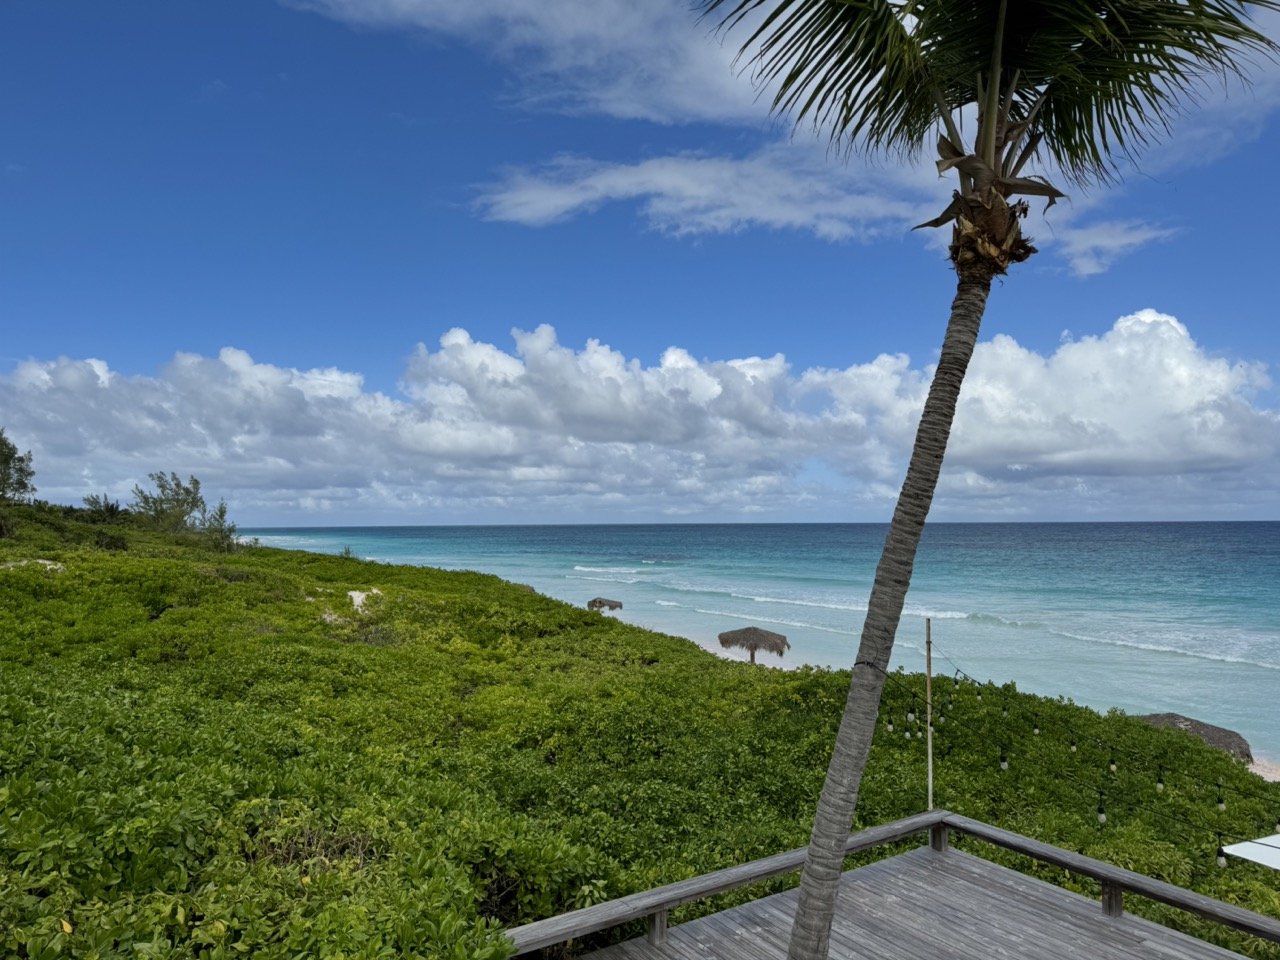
[{"x": 1219, "y": 737}]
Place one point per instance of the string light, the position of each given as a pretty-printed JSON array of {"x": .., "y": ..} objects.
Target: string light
[
  {"x": 1139, "y": 758},
  {"x": 1161, "y": 814}
]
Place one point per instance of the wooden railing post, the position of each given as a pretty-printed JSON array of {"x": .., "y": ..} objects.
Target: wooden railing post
[
  {"x": 939, "y": 838},
  {"x": 1112, "y": 899},
  {"x": 656, "y": 927}
]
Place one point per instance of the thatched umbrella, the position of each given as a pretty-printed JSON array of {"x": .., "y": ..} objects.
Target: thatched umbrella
[{"x": 753, "y": 639}]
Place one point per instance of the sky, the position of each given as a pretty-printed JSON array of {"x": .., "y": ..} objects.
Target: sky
[{"x": 422, "y": 262}]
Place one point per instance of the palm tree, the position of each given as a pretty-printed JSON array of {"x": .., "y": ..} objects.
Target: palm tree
[{"x": 1083, "y": 84}]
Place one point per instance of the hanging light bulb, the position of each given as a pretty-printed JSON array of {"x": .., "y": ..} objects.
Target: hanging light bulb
[
  {"x": 1073, "y": 745},
  {"x": 979, "y": 694},
  {"x": 1004, "y": 759},
  {"x": 1035, "y": 726},
  {"x": 1222, "y": 854},
  {"x": 1222, "y": 801},
  {"x": 1278, "y": 823},
  {"x": 889, "y": 724},
  {"x": 942, "y": 718},
  {"x": 1160, "y": 780},
  {"x": 919, "y": 733},
  {"x": 1004, "y": 709},
  {"x": 1102, "y": 810},
  {"x": 1111, "y": 764},
  {"x": 911, "y": 710}
]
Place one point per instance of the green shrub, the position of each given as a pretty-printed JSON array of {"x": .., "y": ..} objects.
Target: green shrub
[{"x": 217, "y": 757}]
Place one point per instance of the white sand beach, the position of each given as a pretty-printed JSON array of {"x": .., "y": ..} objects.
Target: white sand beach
[{"x": 1267, "y": 770}]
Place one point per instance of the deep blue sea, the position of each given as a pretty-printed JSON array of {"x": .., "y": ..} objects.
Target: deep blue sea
[{"x": 1147, "y": 617}]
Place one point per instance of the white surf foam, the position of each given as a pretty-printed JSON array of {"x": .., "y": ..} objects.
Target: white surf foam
[
  {"x": 1155, "y": 647},
  {"x": 756, "y": 618}
]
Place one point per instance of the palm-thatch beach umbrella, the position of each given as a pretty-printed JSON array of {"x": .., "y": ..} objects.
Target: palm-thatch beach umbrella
[{"x": 753, "y": 639}]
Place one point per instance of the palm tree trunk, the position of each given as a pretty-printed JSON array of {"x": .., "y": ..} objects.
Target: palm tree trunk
[{"x": 811, "y": 932}]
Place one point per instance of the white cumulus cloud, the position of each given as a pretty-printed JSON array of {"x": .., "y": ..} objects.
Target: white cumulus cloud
[
  {"x": 1140, "y": 421},
  {"x": 1093, "y": 248},
  {"x": 1142, "y": 399},
  {"x": 781, "y": 187},
  {"x": 798, "y": 186},
  {"x": 632, "y": 59}
]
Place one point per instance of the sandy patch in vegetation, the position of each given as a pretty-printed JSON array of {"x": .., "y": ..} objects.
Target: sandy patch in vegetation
[
  {"x": 358, "y": 597},
  {"x": 51, "y": 565}
]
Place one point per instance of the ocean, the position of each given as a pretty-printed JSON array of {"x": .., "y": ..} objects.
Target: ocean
[{"x": 1147, "y": 617}]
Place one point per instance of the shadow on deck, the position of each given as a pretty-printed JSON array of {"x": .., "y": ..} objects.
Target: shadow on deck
[{"x": 934, "y": 901}]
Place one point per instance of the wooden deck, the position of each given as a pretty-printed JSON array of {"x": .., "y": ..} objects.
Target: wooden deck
[
  {"x": 935, "y": 901},
  {"x": 941, "y": 905}
]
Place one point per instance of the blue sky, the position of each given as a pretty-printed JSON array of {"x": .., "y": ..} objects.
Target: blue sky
[{"x": 284, "y": 247}]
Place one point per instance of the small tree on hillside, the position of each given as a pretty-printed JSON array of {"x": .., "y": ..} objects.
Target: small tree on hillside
[
  {"x": 15, "y": 472},
  {"x": 218, "y": 529},
  {"x": 176, "y": 506},
  {"x": 102, "y": 509},
  {"x": 173, "y": 505}
]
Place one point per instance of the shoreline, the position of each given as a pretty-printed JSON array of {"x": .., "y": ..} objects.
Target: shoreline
[
  {"x": 1267, "y": 769},
  {"x": 665, "y": 588}
]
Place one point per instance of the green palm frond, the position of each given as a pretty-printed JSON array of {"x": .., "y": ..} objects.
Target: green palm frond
[
  {"x": 1116, "y": 88},
  {"x": 1083, "y": 81},
  {"x": 852, "y": 67}
]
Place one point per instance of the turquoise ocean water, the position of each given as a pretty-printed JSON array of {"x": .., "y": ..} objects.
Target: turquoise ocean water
[{"x": 1148, "y": 617}]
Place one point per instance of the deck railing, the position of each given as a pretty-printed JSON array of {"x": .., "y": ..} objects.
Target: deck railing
[{"x": 654, "y": 905}]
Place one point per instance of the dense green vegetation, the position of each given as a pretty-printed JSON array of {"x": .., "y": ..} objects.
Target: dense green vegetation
[{"x": 210, "y": 754}]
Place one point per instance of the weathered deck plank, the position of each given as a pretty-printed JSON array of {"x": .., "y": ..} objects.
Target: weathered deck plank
[
  {"x": 945, "y": 906},
  {"x": 576, "y": 923}
]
